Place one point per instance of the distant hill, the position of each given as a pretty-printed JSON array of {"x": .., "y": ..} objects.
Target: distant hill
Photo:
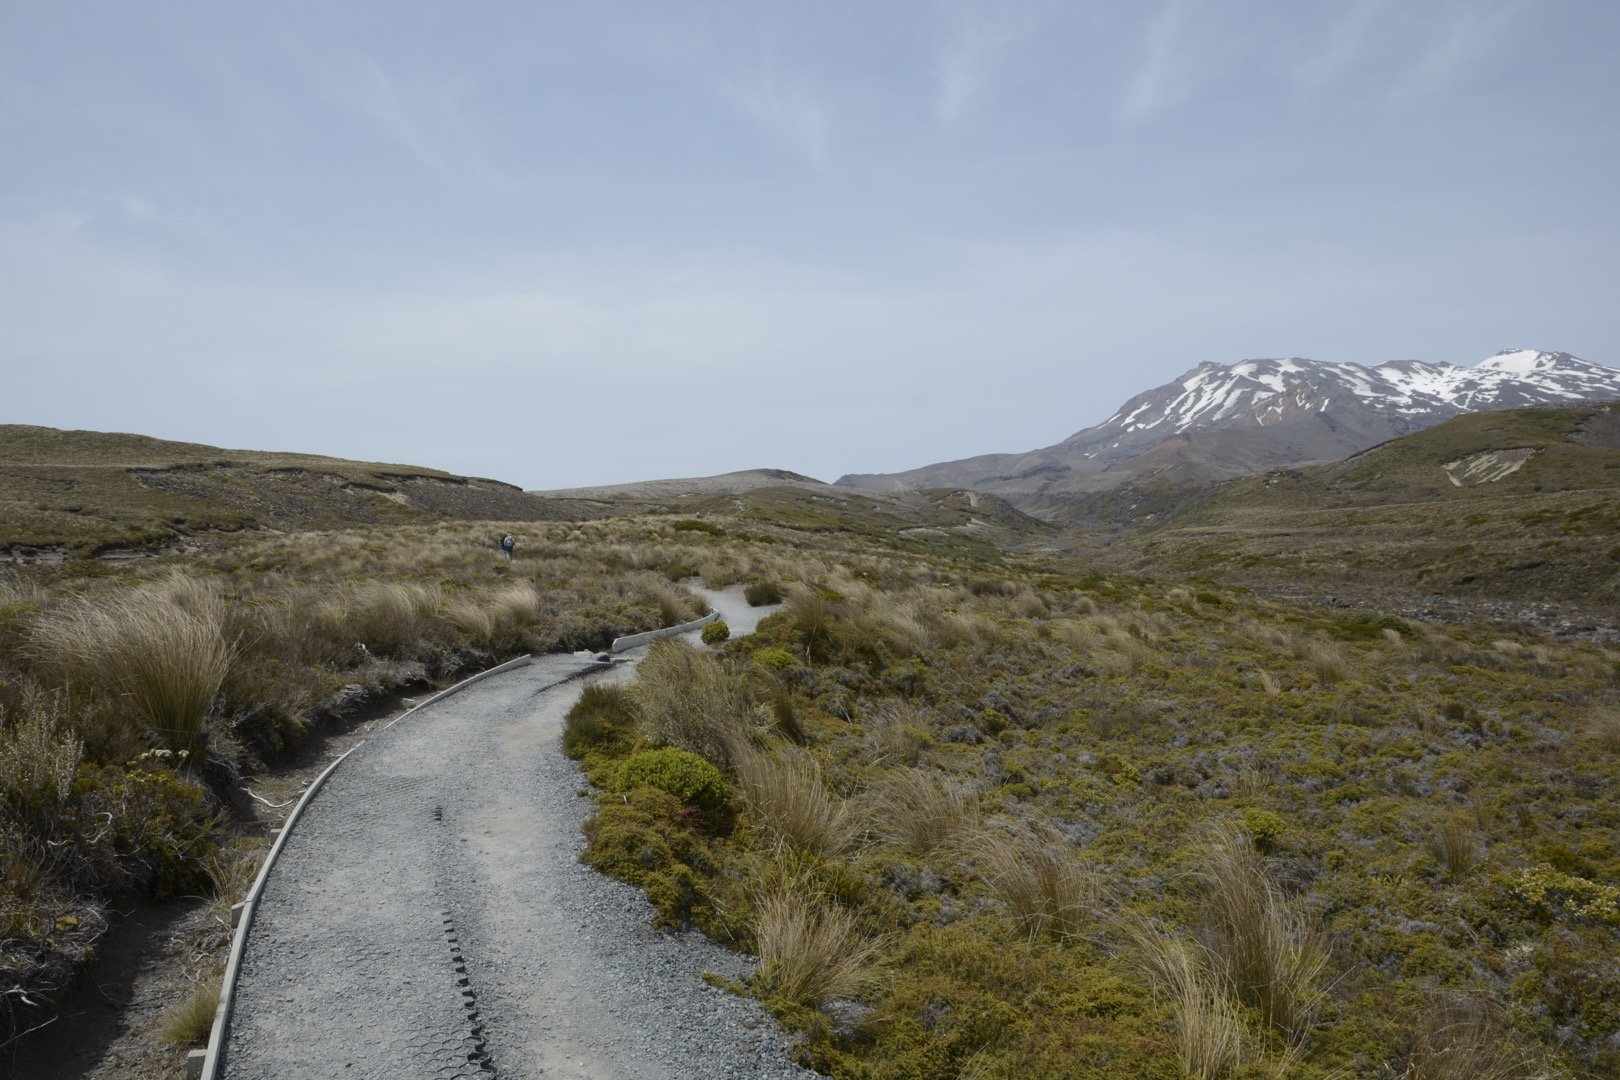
[
  {"x": 1219, "y": 421},
  {"x": 734, "y": 483},
  {"x": 1523, "y": 503},
  {"x": 89, "y": 492},
  {"x": 936, "y": 519}
]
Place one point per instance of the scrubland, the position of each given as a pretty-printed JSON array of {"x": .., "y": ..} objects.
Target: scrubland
[
  {"x": 1022, "y": 820},
  {"x": 979, "y": 814}
]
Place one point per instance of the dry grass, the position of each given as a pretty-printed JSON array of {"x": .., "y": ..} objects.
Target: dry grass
[
  {"x": 1209, "y": 1027},
  {"x": 687, "y": 701},
  {"x": 1604, "y": 726},
  {"x": 39, "y": 757},
  {"x": 790, "y": 805},
  {"x": 1462, "y": 1038},
  {"x": 188, "y": 1021},
  {"x": 1454, "y": 845},
  {"x": 919, "y": 811},
  {"x": 1268, "y": 953},
  {"x": 809, "y": 948},
  {"x": 160, "y": 649},
  {"x": 1038, "y": 878},
  {"x": 390, "y": 617},
  {"x": 1328, "y": 663}
]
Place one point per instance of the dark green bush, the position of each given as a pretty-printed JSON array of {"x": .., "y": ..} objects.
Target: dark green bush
[
  {"x": 602, "y": 721},
  {"x": 761, "y": 593},
  {"x": 646, "y": 838},
  {"x": 693, "y": 525},
  {"x": 716, "y": 632}
]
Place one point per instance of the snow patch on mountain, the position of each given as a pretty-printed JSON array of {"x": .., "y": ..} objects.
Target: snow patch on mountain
[{"x": 1265, "y": 391}]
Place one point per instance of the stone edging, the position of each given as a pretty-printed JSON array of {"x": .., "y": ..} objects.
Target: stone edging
[
  {"x": 204, "y": 1064},
  {"x": 630, "y": 641}
]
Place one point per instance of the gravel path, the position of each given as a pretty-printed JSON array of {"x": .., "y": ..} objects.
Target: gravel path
[{"x": 429, "y": 918}]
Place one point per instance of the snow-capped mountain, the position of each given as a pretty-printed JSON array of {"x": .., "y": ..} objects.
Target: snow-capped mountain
[
  {"x": 1257, "y": 391},
  {"x": 1222, "y": 420}
]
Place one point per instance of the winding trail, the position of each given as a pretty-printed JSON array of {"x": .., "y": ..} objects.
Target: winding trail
[{"x": 429, "y": 917}]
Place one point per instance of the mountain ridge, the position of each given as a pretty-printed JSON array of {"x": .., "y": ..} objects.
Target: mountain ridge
[{"x": 1217, "y": 421}]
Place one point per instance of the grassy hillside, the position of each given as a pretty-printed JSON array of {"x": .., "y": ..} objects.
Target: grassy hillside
[
  {"x": 1521, "y": 504},
  {"x": 85, "y": 491}
]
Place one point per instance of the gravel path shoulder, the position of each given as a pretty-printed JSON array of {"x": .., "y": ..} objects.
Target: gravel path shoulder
[{"x": 429, "y": 918}]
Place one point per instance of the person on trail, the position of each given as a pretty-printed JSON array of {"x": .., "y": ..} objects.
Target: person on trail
[{"x": 507, "y": 544}]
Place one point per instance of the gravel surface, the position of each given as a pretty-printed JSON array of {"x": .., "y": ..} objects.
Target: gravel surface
[{"x": 429, "y": 918}]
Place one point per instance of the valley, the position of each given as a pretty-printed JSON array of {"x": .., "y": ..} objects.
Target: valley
[{"x": 1311, "y": 772}]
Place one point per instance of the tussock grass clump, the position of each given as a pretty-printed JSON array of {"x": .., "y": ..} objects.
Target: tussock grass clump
[
  {"x": 1041, "y": 882},
  {"x": 685, "y": 699},
  {"x": 1463, "y": 1038},
  {"x": 1270, "y": 955},
  {"x": 1604, "y": 726},
  {"x": 390, "y": 617},
  {"x": 810, "y": 950},
  {"x": 790, "y": 805},
  {"x": 1209, "y": 1026},
  {"x": 188, "y": 1021},
  {"x": 1454, "y": 845},
  {"x": 1328, "y": 663},
  {"x": 160, "y": 649},
  {"x": 919, "y": 811}
]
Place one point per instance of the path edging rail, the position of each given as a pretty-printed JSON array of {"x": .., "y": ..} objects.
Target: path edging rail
[
  {"x": 630, "y": 641},
  {"x": 210, "y": 1058}
]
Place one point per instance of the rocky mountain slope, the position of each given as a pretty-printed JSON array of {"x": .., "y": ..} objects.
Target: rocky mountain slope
[{"x": 1223, "y": 420}]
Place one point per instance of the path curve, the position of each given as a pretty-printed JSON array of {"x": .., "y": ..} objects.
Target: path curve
[{"x": 429, "y": 917}]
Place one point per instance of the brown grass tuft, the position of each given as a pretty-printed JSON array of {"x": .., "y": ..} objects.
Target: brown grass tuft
[
  {"x": 1209, "y": 1027},
  {"x": 809, "y": 948},
  {"x": 1269, "y": 954},
  {"x": 1463, "y": 1038},
  {"x": 789, "y": 803},
  {"x": 918, "y": 810},
  {"x": 687, "y": 701},
  {"x": 1038, "y": 877},
  {"x": 160, "y": 648},
  {"x": 188, "y": 1021}
]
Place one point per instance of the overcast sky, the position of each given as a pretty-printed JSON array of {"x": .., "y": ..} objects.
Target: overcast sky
[{"x": 575, "y": 243}]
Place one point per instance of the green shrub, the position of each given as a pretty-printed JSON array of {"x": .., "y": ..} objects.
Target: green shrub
[
  {"x": 681, "y": 773},
  {"x": 602, "y": 721},
  {"x": 715, "y": 632},
  {"x": 762, "y": 593},
  {"x": 1263, "y": 827},
  {"x": 773, "y": 657},
  {"x": 693, "y": 525},
  {"x": 645, "y": 837}
]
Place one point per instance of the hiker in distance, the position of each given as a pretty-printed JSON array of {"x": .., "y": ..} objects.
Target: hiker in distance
[{"x": 507, "y": 544}]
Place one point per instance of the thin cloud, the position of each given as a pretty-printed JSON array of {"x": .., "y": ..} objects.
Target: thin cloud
[
  {"x": 1153, "y": 87},
  {"x": 1462, "y": 44},
  {"x": 789, "y": 115},
  {"x": 428, "y": 125},
  {"x": 964, "y": 61},
  {"x": 1346, "y": 42}
]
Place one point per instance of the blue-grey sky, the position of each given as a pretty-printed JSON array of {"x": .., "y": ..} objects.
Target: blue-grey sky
[{"x": 573, "y": 243}]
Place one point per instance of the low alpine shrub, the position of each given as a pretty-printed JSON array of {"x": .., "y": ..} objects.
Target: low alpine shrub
[{"x": 679, "y": 772}]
